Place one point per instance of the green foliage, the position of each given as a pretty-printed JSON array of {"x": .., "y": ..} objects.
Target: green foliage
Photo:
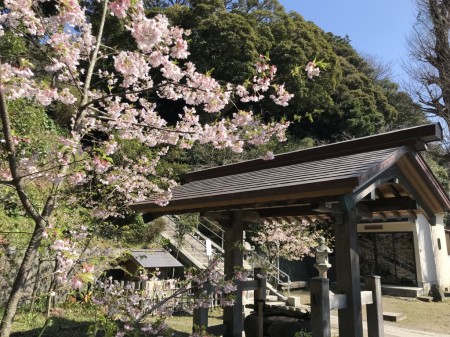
[
  {"x": 107, "y": 327},
  {"x": 346, "y": 100},
  {"x": 185, "y": 224},
  {"x": 12, "y": 46},
  {"x": 303, "y": 333}
]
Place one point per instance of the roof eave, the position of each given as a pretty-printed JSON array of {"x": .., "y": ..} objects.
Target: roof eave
[{"x": 249, "y": 199}]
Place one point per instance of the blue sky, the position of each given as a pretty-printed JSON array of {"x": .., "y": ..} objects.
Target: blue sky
[{"x": 377, "y": 28}]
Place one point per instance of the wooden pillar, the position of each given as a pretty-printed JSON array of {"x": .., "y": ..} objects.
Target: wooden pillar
[
  {"x": 320, "y": 307},
  {"x": 375, "y": 324},
  {"x": 233, "y": 316},
  {"x": 347, "y": 270}
]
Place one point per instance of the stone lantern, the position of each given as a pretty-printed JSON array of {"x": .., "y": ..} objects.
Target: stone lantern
[
  {"x": 322, "y": 251},
  {"x": 247, "y": 249}
]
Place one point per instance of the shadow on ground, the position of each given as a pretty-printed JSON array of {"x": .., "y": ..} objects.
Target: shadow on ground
[
  {"x": 63, "y": 327},
  {"x": 60, "y": 327}
]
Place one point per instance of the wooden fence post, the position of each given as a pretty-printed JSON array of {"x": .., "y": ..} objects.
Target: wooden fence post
[
  {"x": 375, "y": 325},
  {"x": 320, "y": 307},
  {"x": 200, "y": 315},
  {"x": 259, "y": 298}
]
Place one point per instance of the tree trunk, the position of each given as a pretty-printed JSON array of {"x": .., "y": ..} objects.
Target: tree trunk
[{"x": 19, "y": 283}]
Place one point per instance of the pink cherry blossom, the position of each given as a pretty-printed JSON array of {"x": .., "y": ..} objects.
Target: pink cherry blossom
[
  {"x": 119, "y": 8},
  {"x": 312, "y": 70},
  {"x": 76, "y": 283}
]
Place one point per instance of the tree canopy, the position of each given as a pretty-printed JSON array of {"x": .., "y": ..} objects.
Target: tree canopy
[{"x": 347, "y": 100}]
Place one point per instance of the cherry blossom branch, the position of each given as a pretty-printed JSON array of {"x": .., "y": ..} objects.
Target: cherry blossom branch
[
  {"x": 104, "y": 118},
  {"x": 12, "y": 159},
  {"x": 8, "y": 183},
  {"x": 37, "y": 173},
  {"x": 90, "y": 71},
  {"x": 124, "y": 93}
]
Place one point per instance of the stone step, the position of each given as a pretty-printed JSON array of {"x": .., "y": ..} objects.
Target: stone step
[
  {"x": 401, "y": 291},
  {"x": 393, "y": 316},
  {"x": 425, "y": 298},
  {"x": 280, "y": 304},
  {"x": 272, "y": 298}
]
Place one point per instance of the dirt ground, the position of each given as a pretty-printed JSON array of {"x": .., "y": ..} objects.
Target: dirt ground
[{"x": 427, "y": 316}]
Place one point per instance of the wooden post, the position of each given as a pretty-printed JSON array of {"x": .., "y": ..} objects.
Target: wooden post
[
  {"x": 260, "y": 298},
  {"x": 232, "y": 316},
  {"x": 320, "y": 307},
  {"x": 375, "y": 325},
  {"x": 347, "y": 270},
  {"x": 200, "y": 315}
]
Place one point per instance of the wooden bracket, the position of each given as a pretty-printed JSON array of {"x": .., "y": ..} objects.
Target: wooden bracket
[{"x": 346, "y": 202}]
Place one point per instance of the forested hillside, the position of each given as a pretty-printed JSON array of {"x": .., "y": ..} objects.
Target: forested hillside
[{"x": 349, "y": 99}]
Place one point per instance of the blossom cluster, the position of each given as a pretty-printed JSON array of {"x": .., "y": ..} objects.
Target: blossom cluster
[
  {"x": 67, "y": 247},
  {"x": 312, "y": 69},
  {"x": 290, "y": 240},
  {"x": 128, "y": 306},
  {"x": 214, "y": 284},
  {"x": 71, "y": 54}
]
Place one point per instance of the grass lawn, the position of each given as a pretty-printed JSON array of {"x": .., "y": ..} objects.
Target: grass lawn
[{"x": 74, "y": 321}]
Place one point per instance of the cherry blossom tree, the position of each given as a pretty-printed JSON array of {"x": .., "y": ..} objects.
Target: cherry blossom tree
[
  {"x": 110, "y": 107},
  {"x": 289, "y": 240}
]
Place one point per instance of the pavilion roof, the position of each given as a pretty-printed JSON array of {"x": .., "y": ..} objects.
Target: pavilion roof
[{"x": 320, "y": 174}]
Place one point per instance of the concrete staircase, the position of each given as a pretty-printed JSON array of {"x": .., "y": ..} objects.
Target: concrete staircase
[
  {"x": 193, "y": 250},
  {"x": 193, "y": 253}
]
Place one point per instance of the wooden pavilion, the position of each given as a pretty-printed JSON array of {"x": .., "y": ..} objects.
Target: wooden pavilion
[{"x": 373, "y": 179}]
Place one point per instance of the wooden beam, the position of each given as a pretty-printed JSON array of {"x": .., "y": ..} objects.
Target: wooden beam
[
  {"x": 394, "y": 190},
  {"x": 308, "y": 219},
  {"x": 382, "y": 216},
  {"x": 363, "y": 211},
  {"x": 347, "y": 271},
  {"x": 412, "y": 214},
  {"x": 327, "y": 207},
  {"x": 427, "y": 212},
  {"x": 246, "y": 200},
  {"x": 397, "y": 215},
  {"x": 250, "y": 285},
  {"x": 370, "y": 185},
  {"x": 286, "y": 211},
  {"x": 247, "y": 216},
  {"x": 390, "y": 204}
]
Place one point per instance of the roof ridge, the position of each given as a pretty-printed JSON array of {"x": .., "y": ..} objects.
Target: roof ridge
[{"x": 414, "y": 136}]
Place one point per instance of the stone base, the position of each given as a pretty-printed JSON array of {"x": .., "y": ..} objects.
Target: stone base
[
  {"x": 393, "y": 316},
  {"x": 293, "y": 301}
]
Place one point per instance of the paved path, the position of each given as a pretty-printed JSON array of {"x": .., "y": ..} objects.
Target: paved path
[{"x": 390, "y": 330}]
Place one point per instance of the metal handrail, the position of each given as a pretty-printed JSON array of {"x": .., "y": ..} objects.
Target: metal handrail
[
  {"x": 171, "y": 218},
  {"x": 218, "y": 228},
  {"x": 276, "y": 275}
]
